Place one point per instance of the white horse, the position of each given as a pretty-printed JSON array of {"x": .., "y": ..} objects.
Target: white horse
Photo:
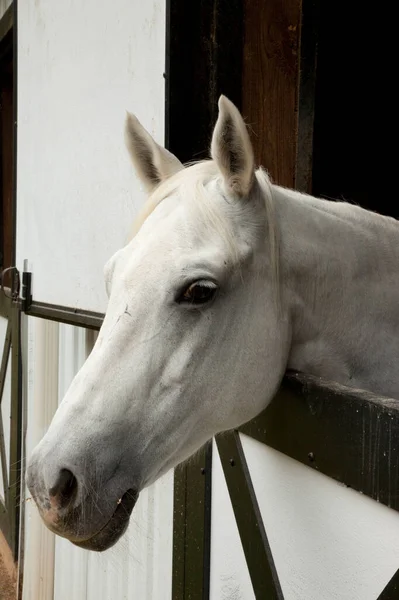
[{"x": 228, "y": 281}]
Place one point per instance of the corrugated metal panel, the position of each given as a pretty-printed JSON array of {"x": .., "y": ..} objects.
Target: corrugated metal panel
[
  {"x": 41, "y": 371},
  {"x": 140, "y": 565}
]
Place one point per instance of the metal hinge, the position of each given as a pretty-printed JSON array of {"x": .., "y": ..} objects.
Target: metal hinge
[{"x": 13, "y": 290}]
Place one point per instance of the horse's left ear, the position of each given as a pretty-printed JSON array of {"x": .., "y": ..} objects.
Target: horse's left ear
[
  {"x": 232, "y": 150},
  {"x": 153, "y": 163}
]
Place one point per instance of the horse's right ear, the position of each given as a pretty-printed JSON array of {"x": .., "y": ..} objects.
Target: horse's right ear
[
  {"x": 153, "y": 164},
  {"x": 232, "y": 151}
]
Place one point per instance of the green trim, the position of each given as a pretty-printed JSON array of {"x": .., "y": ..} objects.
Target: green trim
[
  {"x": 9, "y": 512},
  {"x": 15, "y": 430},
  {"x": 391, "y": 591},
  {"x": 4, "y": 522},
  {"x": 258, "y": 555},
  {"x": 64, "y": 314},
  {"x": 191, "y": 527},
  {"x": 5, "y": 303},
  {"x": 347, "y": 434},
  {"x": 6, "y": 22},
  {"x": 3, "y": 374}
]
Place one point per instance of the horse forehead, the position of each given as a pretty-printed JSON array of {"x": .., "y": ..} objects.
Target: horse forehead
[{"x": 174, "y": 227}]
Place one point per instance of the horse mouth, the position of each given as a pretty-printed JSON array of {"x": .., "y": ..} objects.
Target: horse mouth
[{"x": 114, "y": 528}]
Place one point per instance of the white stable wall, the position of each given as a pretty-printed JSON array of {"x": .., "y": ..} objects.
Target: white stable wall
[
  {"x": 328, "y": 542},
  {"x": 81, "y": 65}
]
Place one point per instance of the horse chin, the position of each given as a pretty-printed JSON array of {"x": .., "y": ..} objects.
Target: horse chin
[{"x": 114, "y": 528}]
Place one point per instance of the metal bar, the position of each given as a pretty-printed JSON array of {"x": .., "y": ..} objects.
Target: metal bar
[
  {"x": 249, "y": 520},
  {"x": 206, "y": 570},
  {"x": 391, "y": 591},
  {"x": 3, "y": 460},
  {"x": 3, "y": 374},
  {"x": 191, "y": 527},
  {"x": 4, "y": 360},
  {"x": 6, "y": 25},
  {"x": 5, "y": 303},
  {"x": 64, "y": 314},
  {"x": 15, "y": 430},
  {"x": 4, "y": 522},
  {"x": 179, "y": 533},
  {"x": 24, "y": 424},
  {"x": 347, "y": 434}
]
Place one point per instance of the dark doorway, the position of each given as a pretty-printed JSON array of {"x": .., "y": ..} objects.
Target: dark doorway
[
  {"x": 6, "y": 162},
  {"x": 354, "y": 129}
]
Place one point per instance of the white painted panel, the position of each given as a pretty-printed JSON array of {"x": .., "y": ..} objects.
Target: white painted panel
[
  {"x": 68, "y": 558},
  {"x": 40, "y": 372},
  {"x": 81, "y": 65},
  {"x": 229, "y": 572},
  {"x": 328, "y": 542},
  {"x": 140, "y": 564}
]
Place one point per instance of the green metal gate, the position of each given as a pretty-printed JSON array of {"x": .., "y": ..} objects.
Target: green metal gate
[{"x": 11, "y": 476}]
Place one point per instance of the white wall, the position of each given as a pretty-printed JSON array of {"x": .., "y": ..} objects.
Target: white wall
[
  {"x": 328, "y": 542},
  {"x": 81, "y": 65}
]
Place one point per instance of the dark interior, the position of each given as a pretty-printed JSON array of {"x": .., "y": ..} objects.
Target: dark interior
[
  {"x": 6, "y": 152},
  {"x": 355, "y": 127}
]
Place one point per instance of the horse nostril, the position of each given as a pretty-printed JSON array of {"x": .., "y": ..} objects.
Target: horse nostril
[{"x": 65, "y": 489}]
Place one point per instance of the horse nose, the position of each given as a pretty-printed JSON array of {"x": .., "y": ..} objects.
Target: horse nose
[{"x": 64, "y": 491}]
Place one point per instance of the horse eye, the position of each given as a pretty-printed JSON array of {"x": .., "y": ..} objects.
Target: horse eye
[{"x": 199, "y": 292}]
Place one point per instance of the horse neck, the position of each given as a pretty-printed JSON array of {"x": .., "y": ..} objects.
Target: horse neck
[{"x": 337, "y": 262}]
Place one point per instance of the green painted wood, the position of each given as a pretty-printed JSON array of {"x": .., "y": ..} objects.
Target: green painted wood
[
  {"x": 391, "y": 591},
  {"x": 250, "y": 525},
  {"x": 191, "y": 527},
  {"x": 347, "y": 434}
]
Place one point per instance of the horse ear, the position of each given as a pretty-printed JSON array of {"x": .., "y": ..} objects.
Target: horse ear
[
  {"x": 153, "y": 163},
  {"x": 232, "y": 151}
]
